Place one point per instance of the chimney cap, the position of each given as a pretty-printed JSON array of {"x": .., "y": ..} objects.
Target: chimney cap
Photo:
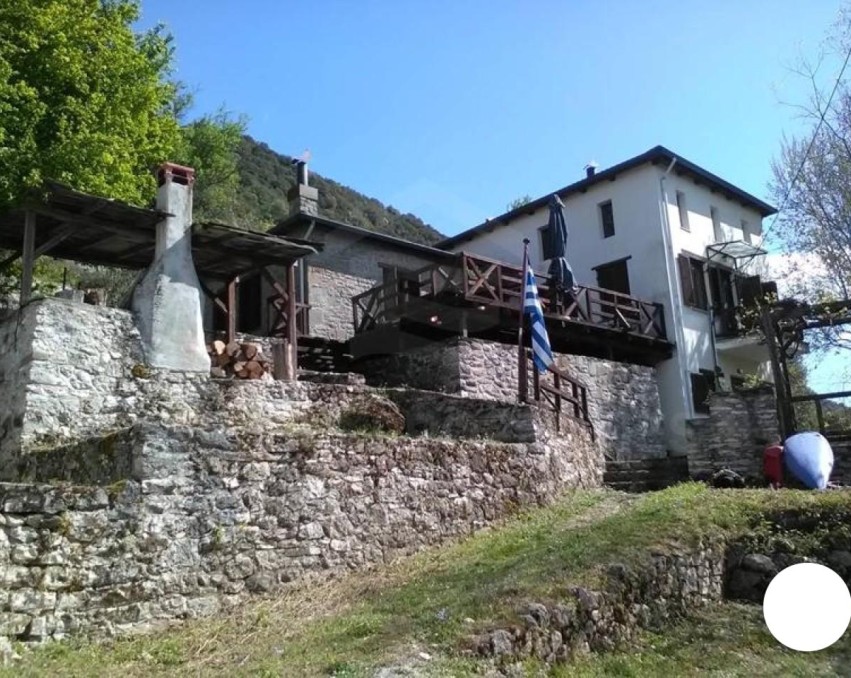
[{"x": 179, "y": 174}]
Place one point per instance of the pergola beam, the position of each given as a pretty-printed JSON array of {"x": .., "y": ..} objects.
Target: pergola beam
[{"x": 45, "y": 247}]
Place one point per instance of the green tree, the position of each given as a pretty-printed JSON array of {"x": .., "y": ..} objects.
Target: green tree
[
  {"x": 209, "y": 145},
  {"x": 83, "y": 98},
  {"x": 518, "y": 202}
]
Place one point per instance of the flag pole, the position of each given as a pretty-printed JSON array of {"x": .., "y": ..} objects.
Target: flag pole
[{"x": 522, "y": 364}]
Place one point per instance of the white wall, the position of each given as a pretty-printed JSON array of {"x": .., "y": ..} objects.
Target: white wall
[
  {"x": 636, "y": 199},
  {"x": 635, "y": 203}
]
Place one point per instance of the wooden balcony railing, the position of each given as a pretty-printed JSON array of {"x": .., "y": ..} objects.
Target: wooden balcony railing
[
  {"x": 277, "y": 314},
  {"x": 481, "y": 281}
]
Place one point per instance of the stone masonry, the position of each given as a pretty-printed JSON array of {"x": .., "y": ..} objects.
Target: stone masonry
[
  {"x": 739, "y": 426},
  {"x": 143, "y": 496},
  {"x": 623, "y": 399}
]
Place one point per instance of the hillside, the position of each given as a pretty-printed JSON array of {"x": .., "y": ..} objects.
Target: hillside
[{"x": 266, "y": 176}]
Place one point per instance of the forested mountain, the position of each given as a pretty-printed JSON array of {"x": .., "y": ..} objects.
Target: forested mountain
[{"x": 266, "y": 176}]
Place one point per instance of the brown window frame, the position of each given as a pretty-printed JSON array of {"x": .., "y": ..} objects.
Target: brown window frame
[{"x": 693, "y": 282}]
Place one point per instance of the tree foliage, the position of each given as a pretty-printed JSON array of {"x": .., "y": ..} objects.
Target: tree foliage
[
  {"x": 83, "y": 98},
  {"x": 518, "y": 202},
  {"x": 209, "y": 145},
  {"x": 266, "y": 176},
  {"x": 812, "y": 178}
]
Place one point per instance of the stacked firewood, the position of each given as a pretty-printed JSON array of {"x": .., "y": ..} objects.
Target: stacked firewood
[{"x": 240, "y": 360}]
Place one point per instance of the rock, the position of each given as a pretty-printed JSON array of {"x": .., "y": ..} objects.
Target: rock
[
  {"x": 747, "y": 585},
  {"x": 756, "y": 562},
  {"x": 539, "y": 613},
  {"x": 501, "y": 643},
  {"x": 373, "y": 413},
  {"x": 727, "y": 478},
  {"x": 840, "y": 561}
]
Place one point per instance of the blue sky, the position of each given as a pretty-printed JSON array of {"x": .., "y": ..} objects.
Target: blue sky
[{"x": 450, "y": 110}]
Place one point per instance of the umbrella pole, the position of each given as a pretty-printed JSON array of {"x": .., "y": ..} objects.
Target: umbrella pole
[{"x": 522, "y": 364}]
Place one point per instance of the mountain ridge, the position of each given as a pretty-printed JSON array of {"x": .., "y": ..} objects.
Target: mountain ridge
[{"x": 265, "y": 176}]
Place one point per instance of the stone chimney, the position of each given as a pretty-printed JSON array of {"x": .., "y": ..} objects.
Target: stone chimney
[
  {"x": 303, "y": 198},
  {"x": 168, "y": 301}
]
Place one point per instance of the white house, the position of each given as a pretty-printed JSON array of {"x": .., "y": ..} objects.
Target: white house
[{"x": 666, "y": 230}]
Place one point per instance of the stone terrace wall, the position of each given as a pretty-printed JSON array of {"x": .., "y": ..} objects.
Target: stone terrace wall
[
  {"x": 739, "y": 426},
  {"x": 211, "y": 513},
  {"x": 433, "y": 367},
  {"x": 623, "y": 399},
  {"x": 650, "y": 596}
]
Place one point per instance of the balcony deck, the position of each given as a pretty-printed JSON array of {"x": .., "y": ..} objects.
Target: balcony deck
[{"x": 477, "y": 296}]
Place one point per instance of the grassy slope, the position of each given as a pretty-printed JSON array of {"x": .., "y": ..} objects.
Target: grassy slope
[{"x": 431, "y": 602}]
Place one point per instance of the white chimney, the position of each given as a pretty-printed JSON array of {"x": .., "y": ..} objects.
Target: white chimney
[{"x": 168, "y": 301}]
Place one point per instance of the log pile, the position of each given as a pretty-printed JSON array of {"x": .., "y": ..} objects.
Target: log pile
[{"x": 239, "y": 360}]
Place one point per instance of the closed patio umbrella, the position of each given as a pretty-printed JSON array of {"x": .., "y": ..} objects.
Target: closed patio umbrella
[{"x": 559, "y": 270}]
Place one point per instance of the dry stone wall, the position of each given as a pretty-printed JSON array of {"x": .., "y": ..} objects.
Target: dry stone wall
[
  {"x": 210, "y": 513},
  {"x": 649, "y": 596},
  {"x": 623, "y": 399},
  {"x": 143, "y": 496},
  {"x": 733, "y": 436}
]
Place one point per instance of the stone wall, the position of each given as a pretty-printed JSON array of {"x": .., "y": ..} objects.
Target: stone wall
[
  {"x": 16, "y": 330},
  {"x": 331, "y": 295},
  {"x": 434, "y": 366},
  {"x": 212, "y": 512},
  {"x": 144, "y": 496},
  {"x": 68, "y": 373},
  {"x": 623, "y": 399},
  {"x": 649, "y": 596},
  {"x": 739, "y": 426}
]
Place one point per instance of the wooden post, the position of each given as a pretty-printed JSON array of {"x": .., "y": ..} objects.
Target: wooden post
[
  {"x": 819, "y": 416},
  {"x": 779, "y": 387},
  {"x": 280, "y": 359},
  {"x": 522, "y": 367},
  {"x": 292, "y": 329},
  {"x": 28, "y": 257},
  {"x": 231, "y": 309}
]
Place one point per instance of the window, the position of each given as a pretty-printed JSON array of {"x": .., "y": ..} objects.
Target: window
[
  {"x": 746, "y": 232},
  {"x": 702, "y": 385},
  {"x": 692, "y": 281},
  {"x": 547, "y": 245},
  {"x": 613, "y": 276},
  {"x": 716, "y": 225},
  {"x": 607, "y": 217},
  {"x": 681, "y": 206},
  {"x": 721, "y": 287}
]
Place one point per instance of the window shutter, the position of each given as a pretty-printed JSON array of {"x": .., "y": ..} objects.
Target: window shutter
[{"x": 684, "y": 267}]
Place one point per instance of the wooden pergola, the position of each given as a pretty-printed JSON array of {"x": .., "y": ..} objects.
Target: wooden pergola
[
  {"x": 784, "y": 325},
  {"x": 75, "y": 226}
]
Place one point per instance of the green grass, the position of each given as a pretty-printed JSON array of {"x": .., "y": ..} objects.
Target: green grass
[{"x": 433, "y": 601}]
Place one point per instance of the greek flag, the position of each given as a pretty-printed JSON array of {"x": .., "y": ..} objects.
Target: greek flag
[{"x": 542, "y": 354}]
